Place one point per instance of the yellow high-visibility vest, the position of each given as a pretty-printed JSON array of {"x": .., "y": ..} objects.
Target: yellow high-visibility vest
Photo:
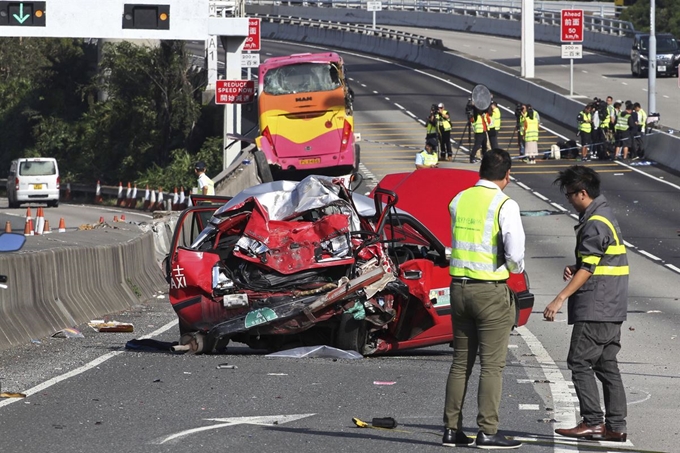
[
  {"x": 477, "y": 246},
  {"x": 585, "y": 125},
  {"x": 531, "y": 129}
]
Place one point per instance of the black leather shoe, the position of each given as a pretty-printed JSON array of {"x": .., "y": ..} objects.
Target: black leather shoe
[
  {"x": 453, "y": 438},
  {"x": 583, "y": 431},
  {"x": 496, "y": 442}
]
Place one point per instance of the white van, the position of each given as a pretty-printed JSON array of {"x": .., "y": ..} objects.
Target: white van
[{"x": 33, "y": 180}]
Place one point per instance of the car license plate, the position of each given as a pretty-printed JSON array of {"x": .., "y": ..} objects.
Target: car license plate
[
  {"x": 37, "y": 186},
  {"x": 661, "y": 68},
  {"x": 260, "y": 316},
  {"x": 316, "y": 160}
]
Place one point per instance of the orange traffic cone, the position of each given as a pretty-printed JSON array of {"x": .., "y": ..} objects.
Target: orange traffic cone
[
  {"x": 160, "y": 204},
  {"x": 28, "y": 229},
  {"x": 47, "y": 229},
  {"x": 101, "y": 219},
  {"x": 133, "y": 203},
  {"x": 62, "y": 225},
  {"x": 98, "y": 194},
  {"x": 39, "y": 222},
  {"x": 115, "y": 218},
  {"x": 121, "y": 195},
  {"x": 8, "y": 227},
  {"x": 122, "y": 217},
  {"x": 152, "y": 201},
  {"x": 67, "y": 195},
  {"x": 128, "y": 195},
  {"x": 28, "y": 213},
  {"x": 147, "y": 199}
]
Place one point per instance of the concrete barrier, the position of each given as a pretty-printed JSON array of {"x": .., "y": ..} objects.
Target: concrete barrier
[
  {"x": 617, "y": 43},
  {"x": 547, "y": 98},
  {"x": 83, "y": 276}
]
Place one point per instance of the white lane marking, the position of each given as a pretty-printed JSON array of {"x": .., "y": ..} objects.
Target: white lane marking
[
  {"x": 399, "y": 106},
  {"x": 574, "y": 216},
  {"x": 363, "y": 85},
  {"x": 411, "y": 114},
  {"x": 605, "y": 77},
  {"x": 649, "y": 255},
  {"x": 541, "y": 196},
  {"x": 386, "y": 98},
  {"x": 512, "y": 346},
  {"x": 269, "y": 420},
  {"x": 666, "y": 96},
  {"x": 529, "y": 407},
  {"x": 375, "y": 92},
  {"x": 558, "y": 206},
  {"x": 522, "y": 185},
  {"x": 88, "y": 366},
  {"x": 624, "y": 83},
  {"x": 564, "y": 410},
  {"x": 584, "y": 71},
  {"x": 670, "y": 266},
  {"x": 525, "y": 381}
]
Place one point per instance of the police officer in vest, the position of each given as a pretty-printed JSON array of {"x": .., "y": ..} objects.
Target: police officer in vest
[
  {"x": 585, "y": 129},
  {"x": 427, "y": 158},
  {"x": 623, "y": 132},
  {"x": 597, "y": 291},
  {"x": 487, "y": 245},
  {"x": 444, "y": 132},
  {"x": 495, "y": 126},
  {"x": 432, "y": 125}
]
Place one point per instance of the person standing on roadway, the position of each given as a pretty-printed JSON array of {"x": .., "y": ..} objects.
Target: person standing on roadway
[
  {"x": 487, "y": 244},
  {"x": 495, "y": 126},
  {"x": 585, "y": 128},
  {"x": 444, "y": 132},
  {"x": 432, "y": 126},
  {"x": 480, "y": 126},
  {"x": 205, "y": 184},
  {"x": 598, "y": 302},
  {"x": 427, "y": 158},
  {"x": 531, "y": 135}
]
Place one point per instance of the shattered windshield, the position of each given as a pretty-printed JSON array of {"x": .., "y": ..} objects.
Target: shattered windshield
[{"x": 302, "y": 78}]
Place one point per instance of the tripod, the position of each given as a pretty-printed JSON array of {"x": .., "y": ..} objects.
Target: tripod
[{"x": 459, "y": 143}]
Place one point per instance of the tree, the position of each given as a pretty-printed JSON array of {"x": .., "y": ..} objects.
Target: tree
[{"x": 667, "y": 16}]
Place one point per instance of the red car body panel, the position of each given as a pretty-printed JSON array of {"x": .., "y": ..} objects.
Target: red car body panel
[{"x": 394, "y": 267}]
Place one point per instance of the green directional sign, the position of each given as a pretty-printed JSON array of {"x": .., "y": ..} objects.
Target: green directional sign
[{"x": 22, "y": 14}]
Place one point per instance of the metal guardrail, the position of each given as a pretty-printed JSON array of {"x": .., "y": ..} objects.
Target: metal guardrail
[
  {"x": 497, "y": 9},
  {"x": 358, "y": 29}
]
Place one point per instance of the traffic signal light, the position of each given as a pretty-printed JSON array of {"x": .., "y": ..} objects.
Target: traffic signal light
[
  {"x": 22, "y": 14},
  {"x": 147, "y": 17}
]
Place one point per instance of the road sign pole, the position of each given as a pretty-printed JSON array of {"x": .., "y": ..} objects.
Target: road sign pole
[
  {"x": 571, "y": 76},
  {"x": 373, "y": 20}
]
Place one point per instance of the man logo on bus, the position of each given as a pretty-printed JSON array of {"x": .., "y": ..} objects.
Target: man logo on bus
[{"x": 308, "y": 98}]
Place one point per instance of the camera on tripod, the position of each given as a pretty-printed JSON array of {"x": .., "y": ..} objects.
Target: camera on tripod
[
  {"x": 470, "y": 110},
  {"x": 519, "y": 109}
]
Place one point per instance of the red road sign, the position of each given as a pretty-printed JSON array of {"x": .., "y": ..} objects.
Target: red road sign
[
  {"x": 571, "y": 25},
  {"x": 253, "y": 39},
  {"x": 235, "y": 91}
]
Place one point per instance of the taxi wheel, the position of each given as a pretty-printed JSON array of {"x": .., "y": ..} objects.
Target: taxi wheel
[{"x": 351, "y": 334}]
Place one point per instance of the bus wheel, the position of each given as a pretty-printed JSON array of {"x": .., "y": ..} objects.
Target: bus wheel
[{"x": 263, "y": 170}]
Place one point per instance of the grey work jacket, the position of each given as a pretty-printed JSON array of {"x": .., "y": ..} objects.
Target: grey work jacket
[{"x": 600, "y": 250}]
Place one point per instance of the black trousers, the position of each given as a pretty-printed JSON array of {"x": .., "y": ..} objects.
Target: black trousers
[
  {"x": 493, "y": 138},
  {"x": 445, "y": 143},
  {"x": 480, "y": 143}
]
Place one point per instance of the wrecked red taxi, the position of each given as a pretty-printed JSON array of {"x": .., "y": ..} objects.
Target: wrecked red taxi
[{"x": 287, "y": 264}]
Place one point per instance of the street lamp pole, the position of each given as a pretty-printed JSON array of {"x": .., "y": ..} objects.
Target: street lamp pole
[{"x": 651, "y": 105}]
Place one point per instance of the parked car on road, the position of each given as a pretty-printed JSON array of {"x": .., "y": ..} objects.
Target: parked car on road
[
  {"x": 667, "y": 55},
  {"x": 33, "y": 180},
  {"x": 286, "y": 264}
]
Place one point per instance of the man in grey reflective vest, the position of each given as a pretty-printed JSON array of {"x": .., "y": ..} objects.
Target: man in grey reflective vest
[
  {"x": 487, "y": 244},
  {"x": 598, "y": 303},
  {"x": 427, "y": 158}
]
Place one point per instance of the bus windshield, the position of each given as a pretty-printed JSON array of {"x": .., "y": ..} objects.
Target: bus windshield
[{"x": 301, "y": 78}]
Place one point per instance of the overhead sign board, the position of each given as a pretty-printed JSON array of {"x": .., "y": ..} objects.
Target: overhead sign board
[
  {"x": 373, "y": 6},
  {"x": 571, "y": 25},
  {"x": 253, "y": 38},
  {"x": 115, "y": 19},
  {"x": 572, "y": 51},
  {"x": 234, "y": 91}
]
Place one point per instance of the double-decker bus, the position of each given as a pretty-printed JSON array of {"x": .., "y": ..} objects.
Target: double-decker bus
[{"x": 305, "y": 116}]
